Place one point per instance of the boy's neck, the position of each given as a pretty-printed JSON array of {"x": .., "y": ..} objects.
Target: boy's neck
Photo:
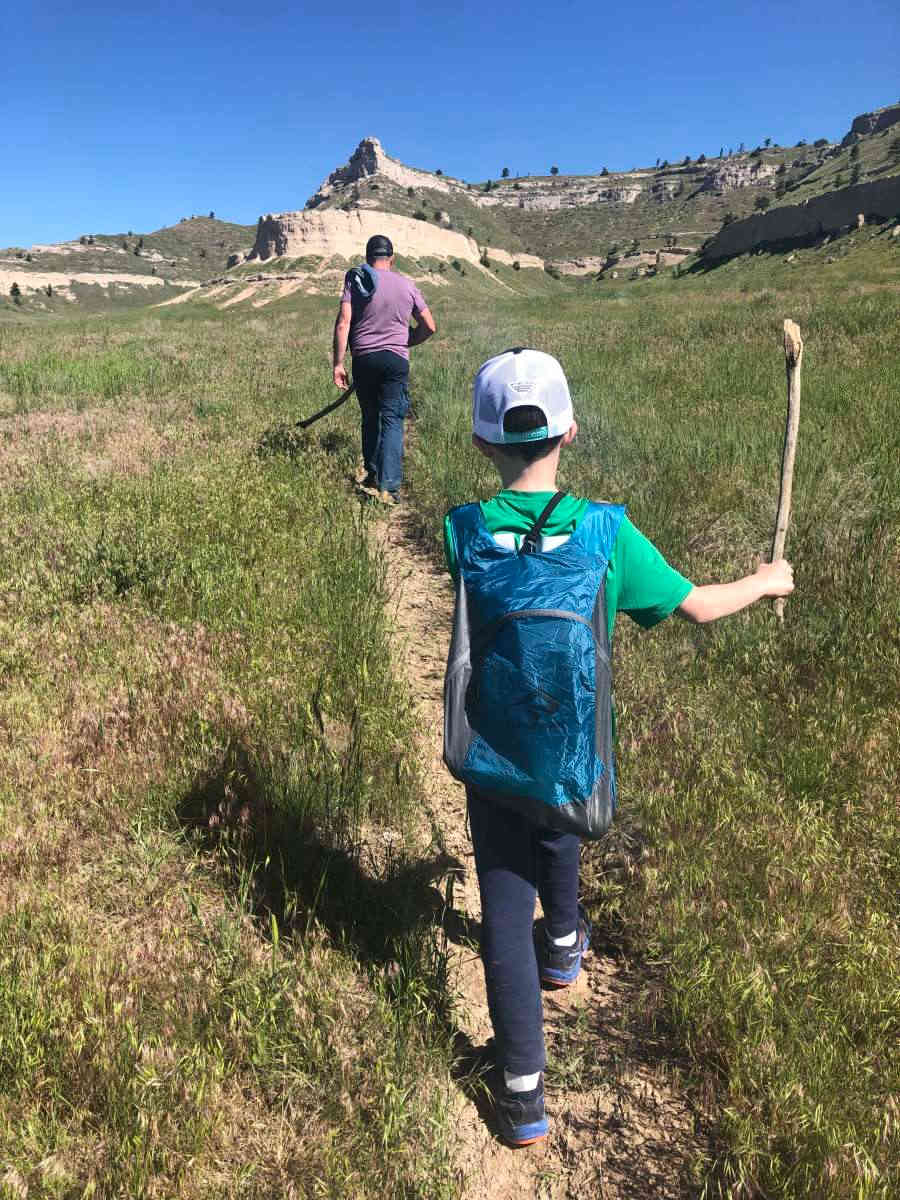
[{"x": 538, "y": 476}]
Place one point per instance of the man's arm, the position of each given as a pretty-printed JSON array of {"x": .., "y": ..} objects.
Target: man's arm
[
  {"x": 339, "y": 348},
  {"x": 425, "y": 327},
  {"x": 715, "y": 600}
]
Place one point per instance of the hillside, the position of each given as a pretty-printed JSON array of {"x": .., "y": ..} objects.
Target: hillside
[
  {"x": 512, "y": 234},
  {"x": 117, "y": 268},
  {"x": 569, "y": 219}
]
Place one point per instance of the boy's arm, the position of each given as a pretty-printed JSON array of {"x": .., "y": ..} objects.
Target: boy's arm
[{"x": 715, "y": 600}]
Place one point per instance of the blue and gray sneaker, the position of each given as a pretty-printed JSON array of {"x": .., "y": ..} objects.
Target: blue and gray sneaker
[
  {"x": 520, "y": 1115},
  {"x": 560, "y": 965}
]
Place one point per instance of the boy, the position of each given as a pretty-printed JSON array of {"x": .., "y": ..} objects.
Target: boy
[{"x": 522, "y": 417}]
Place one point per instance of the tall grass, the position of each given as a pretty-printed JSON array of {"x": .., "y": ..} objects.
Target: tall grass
[{"x": 199, "y": 989}]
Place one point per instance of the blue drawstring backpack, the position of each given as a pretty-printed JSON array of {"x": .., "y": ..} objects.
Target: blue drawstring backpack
[
  {"x": 528, "y": 688},
  {"x": 362, "y": 282}
]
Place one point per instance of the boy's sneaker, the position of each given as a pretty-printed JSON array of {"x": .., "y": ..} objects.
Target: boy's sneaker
[
  {"x": 560, "y": 965},
  {"x": 520, "y": 1115}
]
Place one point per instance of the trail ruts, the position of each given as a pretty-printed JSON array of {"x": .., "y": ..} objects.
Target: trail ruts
[{"x": 619, "y": 1126}]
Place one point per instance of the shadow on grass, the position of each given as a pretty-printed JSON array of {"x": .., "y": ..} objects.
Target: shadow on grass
[{"x": 302, "y": 862}]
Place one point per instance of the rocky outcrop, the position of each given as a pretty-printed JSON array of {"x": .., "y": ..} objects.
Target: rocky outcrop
[
  {"x": 334, "y": 233},
  {"x": 544, "y": 195},
  {"x": 369, "y": 159},
  {"x": 798, "y": 224},
  {"x": 737, "y": 173},
  {"x": 872, "y": 122}
]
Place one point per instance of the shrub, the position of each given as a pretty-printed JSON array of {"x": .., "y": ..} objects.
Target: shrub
[
  {"x": 554, "y": 170},
  {"x": 410, "y": 191},
  {"x": 212, "y": 215},
  {"x": 439, "y": 171},
  {"x": 605, "y": 171},
  {"x": 701, "y": 160},
  {"x": 16, "y": 293},
  {"x": 839, "y": 180},
  {"x": 763, "y": 202},
  {"x": 517, "y": 265},
  {"x": 504, "y": 174},
  {"x": 854, "y": 153},
  {"x": 484, "y": 260},
  {"x": 856, "y": 173},
  {"x": 728, "y": 218},
  {"x": 419, "y": 215},
  {"x": 819, "y": 143}
]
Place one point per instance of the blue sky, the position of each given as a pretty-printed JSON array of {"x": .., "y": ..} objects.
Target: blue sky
[{"x": 133, "y": 115}]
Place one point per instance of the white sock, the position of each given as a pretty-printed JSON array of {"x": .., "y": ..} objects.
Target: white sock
[
  {"x": 568, "y": 940},
  {"x": 521, "y": 1083}
]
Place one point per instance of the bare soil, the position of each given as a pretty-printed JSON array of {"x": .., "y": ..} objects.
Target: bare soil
[{"x": 621, "y": 1126}]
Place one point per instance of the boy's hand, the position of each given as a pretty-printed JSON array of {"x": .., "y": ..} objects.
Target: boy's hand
[{"x": 777, "y": 578}]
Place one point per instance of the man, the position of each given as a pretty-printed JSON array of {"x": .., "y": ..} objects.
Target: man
[{"x": 376, "y": 305}]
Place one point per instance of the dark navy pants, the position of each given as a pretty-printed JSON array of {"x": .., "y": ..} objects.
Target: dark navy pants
[
  {"x": 517, "y": 860},
  {"x": 381, "y": 379}
]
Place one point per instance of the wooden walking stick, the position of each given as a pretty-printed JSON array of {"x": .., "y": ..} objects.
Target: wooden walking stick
[{"x": 793, "y": 356}]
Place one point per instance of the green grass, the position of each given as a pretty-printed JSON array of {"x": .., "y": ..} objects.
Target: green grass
[{"x": 198, "y": 718}]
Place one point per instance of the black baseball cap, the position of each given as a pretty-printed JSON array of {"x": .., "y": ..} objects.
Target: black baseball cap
[{"x": 379, "y": 246}]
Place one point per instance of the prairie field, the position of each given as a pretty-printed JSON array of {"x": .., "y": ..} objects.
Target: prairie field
[{"x": 218, "y": 972}]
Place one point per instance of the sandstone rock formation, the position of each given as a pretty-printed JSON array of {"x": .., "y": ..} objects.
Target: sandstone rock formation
[
  {"x": 872, "y": 122},
  {"x": 804, "y": 223},
  {"x": 737, "y": 173},
  {"x": 332, "y": 232},
  {"x": 369, "y": 159}
]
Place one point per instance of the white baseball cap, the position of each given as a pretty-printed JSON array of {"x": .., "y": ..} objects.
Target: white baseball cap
[{"x": 515, "y": 378}]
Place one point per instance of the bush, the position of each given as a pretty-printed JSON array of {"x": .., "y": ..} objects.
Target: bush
[
  {"x": 763, "y": 202},
  {"x": 456, "y": 265},
  {"x": 504, "y": 174},
  {"x": 517, "y": 266},
  {"x": 554, "y": 170},
  {"x": 728, "y": 219},
  {"x": 483, "y": 259},
  {"x": 16, "y": 293},
  {"x": 819, "y": 143},
  {"x": 605, "y": 171},
  {"x": 419, "y": 215}
]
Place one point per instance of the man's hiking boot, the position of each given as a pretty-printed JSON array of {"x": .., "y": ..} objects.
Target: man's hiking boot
[
  {"x": 560, "y": 965},
  {"x": 521, "y": 1120}
]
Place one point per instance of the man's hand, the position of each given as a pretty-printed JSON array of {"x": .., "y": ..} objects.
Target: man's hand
[
  {"x": 341, "y": 378},
  {"x": 425, "y": 327}
]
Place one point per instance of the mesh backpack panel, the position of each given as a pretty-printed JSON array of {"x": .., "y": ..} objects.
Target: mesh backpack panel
[{"x": 528, "y": 689}]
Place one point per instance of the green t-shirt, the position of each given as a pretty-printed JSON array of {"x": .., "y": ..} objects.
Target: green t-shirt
[{"x": 639, "y": 581}]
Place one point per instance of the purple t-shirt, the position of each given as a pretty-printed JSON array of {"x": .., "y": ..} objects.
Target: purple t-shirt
[{"x": 382, "y": 323}]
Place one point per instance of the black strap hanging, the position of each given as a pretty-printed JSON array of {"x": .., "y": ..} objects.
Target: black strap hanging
[{"x": 531, "y": 540}]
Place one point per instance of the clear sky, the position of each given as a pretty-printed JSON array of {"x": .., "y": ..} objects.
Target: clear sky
[{"x": 127, "y": 115}]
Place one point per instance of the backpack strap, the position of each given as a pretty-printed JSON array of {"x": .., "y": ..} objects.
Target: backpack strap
[{"x": 530, "y": 543}]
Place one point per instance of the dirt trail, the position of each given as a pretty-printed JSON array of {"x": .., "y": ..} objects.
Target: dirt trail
[{"x": 619, "y": 1126}]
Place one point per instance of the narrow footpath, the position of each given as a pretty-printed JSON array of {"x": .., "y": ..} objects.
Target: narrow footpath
[{"x": 619, "y": 1127}]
